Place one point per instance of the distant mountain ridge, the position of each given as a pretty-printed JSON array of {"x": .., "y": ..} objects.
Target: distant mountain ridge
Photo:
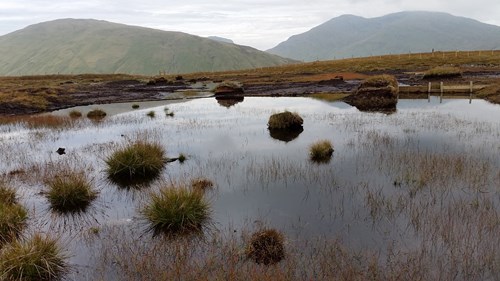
[
  {"x": 349, "y": 35},
  {"x": 74, "y": 46}
]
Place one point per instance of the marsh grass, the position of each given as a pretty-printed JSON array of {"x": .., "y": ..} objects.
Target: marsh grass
[
  {"x": 176, "y": 211},
  {"x": 182, "y": 158},
  {"x": 201, "y": 184},
  {"x": 12, "y": 221},
  {"x": 45, "y": 121},
  {"x": 266, "y": 247},
  {"x": 39, "y": 258},
  {"x": 321, "y": 151},
  {"x": 75, "y": 114},
  {"x": 7, "y": 194},
  {"x": 285, "y": 120},
  {"x": 443, "y": 72},
  {"x": 151, "y": 114},
  {"x": 136, "y": 164},
  {"x": 70, "y": 192},
  {"x": 135, "y": 106},
  {"x": 379, "y": 81},
  {"x": 96, "y": 114}
]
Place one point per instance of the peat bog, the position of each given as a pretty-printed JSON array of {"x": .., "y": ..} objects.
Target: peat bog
[{"x": 410, "y": 195}]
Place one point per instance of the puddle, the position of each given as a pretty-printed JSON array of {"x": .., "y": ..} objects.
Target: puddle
[{"x": 382, "y": 167}]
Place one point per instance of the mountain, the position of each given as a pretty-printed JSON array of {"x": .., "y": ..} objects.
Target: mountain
[
  {"x": 221, "y": 39},
  {"x": 403, "y": 32},
  {"x": 74, "y": 46}
]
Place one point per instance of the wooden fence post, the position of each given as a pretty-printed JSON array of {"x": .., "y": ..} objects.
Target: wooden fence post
[{"x": 442, "y": 90}]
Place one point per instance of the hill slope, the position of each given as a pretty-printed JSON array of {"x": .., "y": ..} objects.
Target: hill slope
[
  {"x": 403, "y": 32},
  {"x": 72, "y": 46}
]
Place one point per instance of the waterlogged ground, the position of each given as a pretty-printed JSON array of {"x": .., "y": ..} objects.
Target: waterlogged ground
[{"x": 417, "y": 190}]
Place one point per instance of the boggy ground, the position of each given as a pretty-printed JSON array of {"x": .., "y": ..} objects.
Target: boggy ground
[{"x": 34, "y": 94}]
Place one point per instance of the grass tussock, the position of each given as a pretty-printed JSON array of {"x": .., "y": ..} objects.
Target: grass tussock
[
  {"x": 177, "y": 211},
  {"x": 443, "y": 72},
  {"x": 379, "y": 81},
  {"x": 70, "y": 191},
  {"x": 321, "y": 151},
  {"x": 491, "y": 93},
  {"x": 266, "y": 247},
  {"x": 137, "y": 163},
  {"x": 12, "y": 221},
  {"x": 151, "y": 114},
  {"x": 75, "y": 114},
  {"x": 135, "y": 106},
  {"x": 285, "y": 120},
  {"x": 201, "y": 184},
  {"x": 39, "y": 258},
  {"x": 7, "y": 195},
  {"x": 96, "y": 114},
  {"x": 13, "y": 216}
]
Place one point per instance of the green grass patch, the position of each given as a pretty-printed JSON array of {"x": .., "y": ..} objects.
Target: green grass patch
[
  {"x": 39, "y": 258},
  {"x": 285, "y": 120},
  {"x": 321, "y": 151},
  {"x": 70, "y": 192},
  {"x": 177, "y": 211},
  {"x": 266, "y": 247},
  {"x": 443, "y": 72},
  {"x": 136, "y": 164}
]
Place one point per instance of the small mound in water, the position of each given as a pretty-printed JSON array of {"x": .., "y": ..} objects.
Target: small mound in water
[
  {"x": 285, "y": 120},
  {"x": 135, "y": 164},
  {"x": 321, "y": 151},
  {"x": 377, "y": 93},
  {"x": 266, "y": 247},
  {"x": 177, "y": 211}
]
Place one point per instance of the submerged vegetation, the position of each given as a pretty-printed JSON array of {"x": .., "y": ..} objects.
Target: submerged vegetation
[
  {"x": 177, "y": 211},
  {"x": 39, "y": 258},
  {"x": 136, "y": 163}
]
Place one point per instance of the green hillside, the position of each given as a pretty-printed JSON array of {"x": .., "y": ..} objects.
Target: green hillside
[
  {"x": 71, "y": 46},
  {"x": 352, "y": 36}
]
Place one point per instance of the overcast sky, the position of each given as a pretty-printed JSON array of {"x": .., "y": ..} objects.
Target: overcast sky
[{"x": 260, "y": 23}]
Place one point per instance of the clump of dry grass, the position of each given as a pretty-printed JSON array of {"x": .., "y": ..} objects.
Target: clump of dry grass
[
  {"x": 266, "y": 246},
  {"x": 379, "y": 81},
  {"x": 96, "y": 114},
  {"x": 201, "y": 184},
  {"x": 39, "y": 258},
  {"x": 75, "y": 114},
  {"x": 443, "y": 72},
  {"x": 285, "y": 120},
  {"x": 321, "y": 151}
]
